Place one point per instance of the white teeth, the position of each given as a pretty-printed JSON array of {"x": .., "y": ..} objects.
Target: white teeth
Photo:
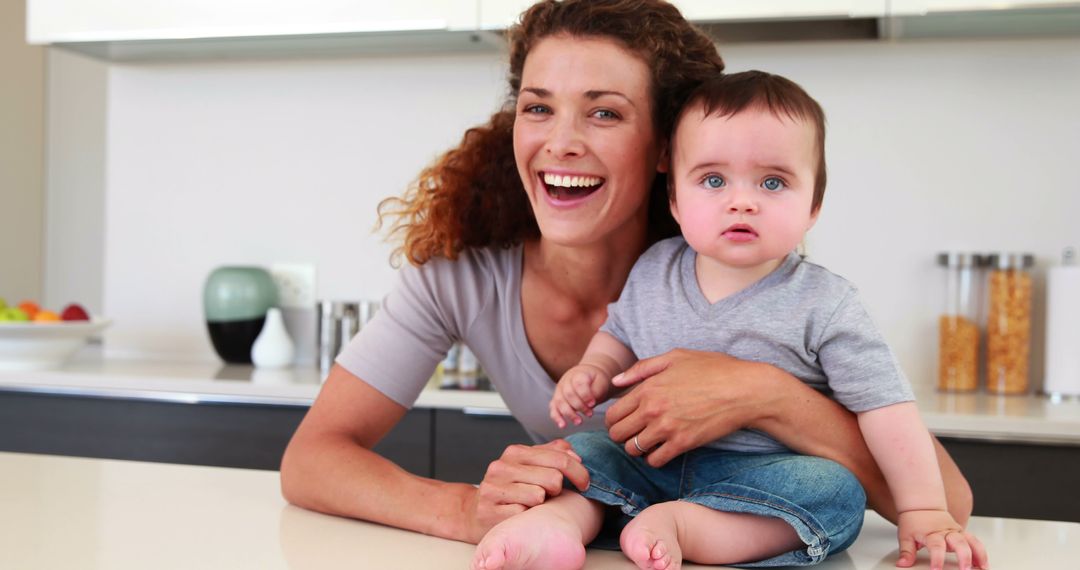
[{"x": 571, "y": 181}]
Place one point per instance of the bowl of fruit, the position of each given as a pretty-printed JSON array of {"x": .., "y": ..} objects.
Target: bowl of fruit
[{"x": 33, "y": 338}]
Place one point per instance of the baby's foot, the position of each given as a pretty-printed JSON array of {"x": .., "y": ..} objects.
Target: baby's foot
[
  {"x": 651, "y": 540},
  {"x": 536, "y": 539}
]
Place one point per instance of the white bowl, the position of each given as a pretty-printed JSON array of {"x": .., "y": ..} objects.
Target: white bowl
[{"x": 40, "y": 346}]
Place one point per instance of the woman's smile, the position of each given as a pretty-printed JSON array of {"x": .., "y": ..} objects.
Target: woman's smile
[{"x": 569, "y": 189}]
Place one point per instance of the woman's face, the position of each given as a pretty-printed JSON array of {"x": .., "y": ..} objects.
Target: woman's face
[{"x": 584, "y": 140}]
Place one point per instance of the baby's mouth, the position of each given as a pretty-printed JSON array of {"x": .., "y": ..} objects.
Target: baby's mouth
[{"x": 565, "y": 187}]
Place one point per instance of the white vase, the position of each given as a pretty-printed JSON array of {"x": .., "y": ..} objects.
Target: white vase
[{"x": 273, "y": 348}]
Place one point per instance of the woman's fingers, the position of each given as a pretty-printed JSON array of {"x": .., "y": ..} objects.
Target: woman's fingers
[
  {"x": 624, "y": 419},
  {"x": 641, "y": 370}
]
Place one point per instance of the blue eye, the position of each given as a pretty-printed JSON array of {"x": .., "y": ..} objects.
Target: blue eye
[
  {"x": 713, "y": 181},
  {"x": 773, "y": 184},
  {"x": 535, "y": 109},
  {"x": 606, "y": 114}
]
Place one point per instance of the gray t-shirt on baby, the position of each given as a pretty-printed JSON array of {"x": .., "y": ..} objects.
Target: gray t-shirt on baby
[
  {"x": 800, "y": 318},
  {"x": 475, "y": 299}
]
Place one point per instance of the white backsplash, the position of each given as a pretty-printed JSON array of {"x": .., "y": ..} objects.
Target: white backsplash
[{"x": 931, "y": 146}]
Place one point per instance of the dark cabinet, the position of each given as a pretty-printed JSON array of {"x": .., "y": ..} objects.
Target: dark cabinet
[
  {"x": 1008, "y": 479},
  {"x": 1019, "y": 480},
  {"x": 467, "y": 441},
  {"x": 226, "y": 435}
]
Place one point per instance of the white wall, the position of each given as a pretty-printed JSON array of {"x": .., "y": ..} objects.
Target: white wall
[
  {"x": 935, "y": 145},
  {"x": 75, "y": 170},
  {"x": 22, "y": 123},
  {"x": 263, "y": 162}
]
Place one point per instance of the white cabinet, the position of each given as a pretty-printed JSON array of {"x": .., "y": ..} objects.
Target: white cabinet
[
  {"x": 53, "y": 21},
  {"x": 919, "y": 7},
  {"x": 499, "y": 14},
  {"x": 734, "y": 10}
]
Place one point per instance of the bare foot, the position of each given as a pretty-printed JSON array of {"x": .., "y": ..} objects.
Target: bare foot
[
  {"x": 651, "y": 540},
  {"x": 538, "y": 538}
]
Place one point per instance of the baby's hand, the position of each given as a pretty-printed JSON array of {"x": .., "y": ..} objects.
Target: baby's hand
[
  {"x": 577, "y": 393},
  {"x": 939, "y": 533}
]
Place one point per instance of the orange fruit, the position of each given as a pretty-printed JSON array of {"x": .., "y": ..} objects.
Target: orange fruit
[
  {"x": 46, "y": 317},
  {"x": 30, "y": 308}
]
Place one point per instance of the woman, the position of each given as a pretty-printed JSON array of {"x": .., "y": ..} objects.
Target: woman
[{"x": 519, "y": 238}]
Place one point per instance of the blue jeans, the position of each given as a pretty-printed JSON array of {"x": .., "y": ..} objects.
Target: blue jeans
[{"x": 821, "y": 500}]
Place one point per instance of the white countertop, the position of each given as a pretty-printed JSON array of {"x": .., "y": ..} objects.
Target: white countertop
[
  {"x": 64, "y": 512},
  {"x": 974, "y": 416}
]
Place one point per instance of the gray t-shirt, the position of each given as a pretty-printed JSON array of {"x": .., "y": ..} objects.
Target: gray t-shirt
[
  {"x": 800, "y": 318},
  {"x": 477, "y": 300}
]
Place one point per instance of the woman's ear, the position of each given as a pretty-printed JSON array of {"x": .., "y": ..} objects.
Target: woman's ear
[{"x": 663, "y": 160}]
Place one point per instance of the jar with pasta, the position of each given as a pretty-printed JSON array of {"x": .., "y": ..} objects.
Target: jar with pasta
[
  {"x": 958, "y": 325},
  {"x": 1008, "y": 322}
]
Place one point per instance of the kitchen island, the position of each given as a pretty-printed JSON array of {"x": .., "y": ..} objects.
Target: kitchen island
[{"x": 65, "y": 512}]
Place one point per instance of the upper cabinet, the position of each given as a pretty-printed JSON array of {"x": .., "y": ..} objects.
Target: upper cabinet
[
  {"x": 920, "y": 7},
  {"x": 982, "y": 18},
  {"x": 735, "y": 10},
  {"x": 169, "y": 29},
  {"x": 56, "y": 21},
  {"x": 499, "y": 14}
]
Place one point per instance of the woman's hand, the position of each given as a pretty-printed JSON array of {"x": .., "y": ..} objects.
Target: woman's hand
[
  {"x": 691, "y": 398},
  {"x": 525, "y": 476}
]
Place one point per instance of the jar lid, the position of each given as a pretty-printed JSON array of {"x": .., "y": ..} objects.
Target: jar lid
[
  {"x": 1010, "y": 260},
  {"x": 960, "y": 259}
]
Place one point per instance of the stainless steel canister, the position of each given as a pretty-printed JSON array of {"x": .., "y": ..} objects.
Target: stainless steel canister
[{"x": 338, "y": 323}]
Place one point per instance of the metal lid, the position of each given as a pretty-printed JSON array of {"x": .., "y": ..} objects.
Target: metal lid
[
  {"x": 960, "y": 259},
  {"x": 1010, "y": 260}
]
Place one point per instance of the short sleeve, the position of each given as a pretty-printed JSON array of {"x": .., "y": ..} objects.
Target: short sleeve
[
  {"x": 862, "y": 371},
  {"x": 399, "y": 349}
]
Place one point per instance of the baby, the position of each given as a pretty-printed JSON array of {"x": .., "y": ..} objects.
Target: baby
[{"x": 746, "y": 184}]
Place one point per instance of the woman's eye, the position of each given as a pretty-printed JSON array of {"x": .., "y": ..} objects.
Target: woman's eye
[
  {"x": 535, "y": 109},
  {"x": 773, "y": 183},
  {"x": 606, "y": 114},
  {"x": 713, "y": 181}
]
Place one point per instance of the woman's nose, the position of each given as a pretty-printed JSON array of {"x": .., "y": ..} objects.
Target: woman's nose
[{"x": 565, "y": 139}]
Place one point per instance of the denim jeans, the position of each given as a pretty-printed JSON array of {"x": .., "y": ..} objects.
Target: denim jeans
[{"x": 821, "y": 500}]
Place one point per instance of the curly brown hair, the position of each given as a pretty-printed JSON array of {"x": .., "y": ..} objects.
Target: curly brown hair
[{"x": 472, "y": 196}]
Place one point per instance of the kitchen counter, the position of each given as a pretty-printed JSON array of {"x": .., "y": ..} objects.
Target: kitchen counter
[
  {"x": 63, "y": 512},
  {"x": 1022, "y": 419}
]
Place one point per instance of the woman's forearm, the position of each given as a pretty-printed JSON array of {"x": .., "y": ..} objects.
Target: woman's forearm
[
  {"x": 329, "y": 466},
  {"x": 337, "y": 476},
  {"x": 812, "y": 424}
]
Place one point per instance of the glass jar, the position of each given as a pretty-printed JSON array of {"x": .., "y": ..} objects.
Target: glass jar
[
  {"x": 958, "y": 325},
  {"x": 1008, "y": 324}
]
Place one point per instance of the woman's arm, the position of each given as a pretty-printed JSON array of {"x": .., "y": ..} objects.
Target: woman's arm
[
  {"x": 693, "y": 397},
  {"x": 329, "y": 467}
]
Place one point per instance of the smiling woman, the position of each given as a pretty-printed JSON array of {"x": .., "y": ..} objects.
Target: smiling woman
[{"x": 518, "y": 240}]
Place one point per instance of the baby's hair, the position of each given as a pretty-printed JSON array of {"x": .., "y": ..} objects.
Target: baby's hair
[{"x": 730, "y": 94}]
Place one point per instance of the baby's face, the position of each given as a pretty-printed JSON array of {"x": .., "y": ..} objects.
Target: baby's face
[{"x": 743, "y": 185}]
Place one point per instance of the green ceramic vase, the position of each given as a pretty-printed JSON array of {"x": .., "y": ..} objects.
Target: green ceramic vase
[{"x": 235, "y": 302}]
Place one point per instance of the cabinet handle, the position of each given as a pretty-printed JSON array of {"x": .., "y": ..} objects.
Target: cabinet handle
[{"x": 486, "y": 412}]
